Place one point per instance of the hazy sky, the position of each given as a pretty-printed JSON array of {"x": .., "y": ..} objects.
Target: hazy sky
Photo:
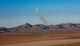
[{"x": 17, "y": 12}]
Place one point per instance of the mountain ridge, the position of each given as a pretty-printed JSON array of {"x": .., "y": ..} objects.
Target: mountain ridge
[{"x": 64, "y": 27}]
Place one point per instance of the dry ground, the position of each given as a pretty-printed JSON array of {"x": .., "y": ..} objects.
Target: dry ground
[
  {"x": 31, "y": 37},
  {"x": 71, "y": 44},
  {"x": 46, "y": 43}
]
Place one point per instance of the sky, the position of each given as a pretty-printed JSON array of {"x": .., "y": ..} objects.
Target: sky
[{"x": 18, "y": 12}]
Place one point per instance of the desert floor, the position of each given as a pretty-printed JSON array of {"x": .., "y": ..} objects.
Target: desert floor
[
  {"x": 36, "y": 37},
  {"x": 46, "y": 43},
  {"x": 70, "y": 44}
]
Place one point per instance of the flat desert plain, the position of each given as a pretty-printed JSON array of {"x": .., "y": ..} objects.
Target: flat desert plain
[
  {"x": 8, "y": 40},
  {"x": 70, "y": 44}
]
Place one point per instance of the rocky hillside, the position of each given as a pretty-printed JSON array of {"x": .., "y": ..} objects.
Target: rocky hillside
[{"x": 68, "y": 27}]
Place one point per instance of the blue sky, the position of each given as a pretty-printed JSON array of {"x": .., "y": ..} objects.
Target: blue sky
[{"x": 17, "y": 12}]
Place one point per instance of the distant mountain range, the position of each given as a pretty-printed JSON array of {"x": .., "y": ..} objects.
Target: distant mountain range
[{"x": 68, "y": 27}]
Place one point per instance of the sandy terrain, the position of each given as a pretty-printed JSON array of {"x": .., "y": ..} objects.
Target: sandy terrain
[
  {"x": 46, "y": 43},
  {"x": 12, "y": 39},
  {"x": 70, "y": 44},
  {"x": 32, "y": 38}
]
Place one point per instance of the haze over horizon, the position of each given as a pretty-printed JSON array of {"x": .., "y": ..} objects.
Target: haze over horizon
[{"x": 17, "y": 12}]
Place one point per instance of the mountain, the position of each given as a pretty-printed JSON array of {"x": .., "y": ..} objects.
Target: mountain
[
  {"x": 42, "y": 26},
  {"x": 3, "y": 29},
  {"x": 68, "y": 27},
  {"x": 22, "y": 28}
]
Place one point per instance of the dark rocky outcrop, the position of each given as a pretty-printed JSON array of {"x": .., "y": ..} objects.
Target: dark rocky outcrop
[{"x": 3, "y": 29}]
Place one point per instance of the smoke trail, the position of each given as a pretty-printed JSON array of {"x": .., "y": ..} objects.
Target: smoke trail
[{"x": 41, "y": 18}]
